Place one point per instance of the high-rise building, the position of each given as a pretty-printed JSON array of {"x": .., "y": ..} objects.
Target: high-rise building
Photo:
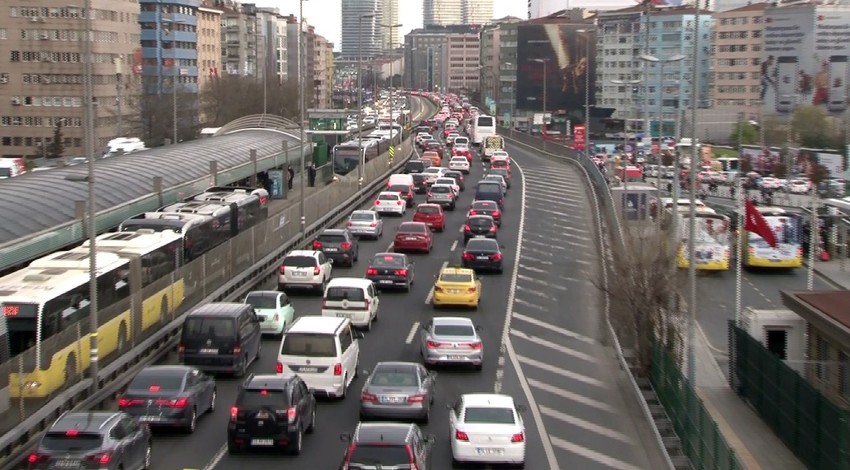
[
  {"x": 239, "y": 38},
  {"x": 281, "y": 46},
  {"x": 498, "y": 64},
  {"x": 443, "y": 58},
  {"x": 41, "y": 74},
  {"x": 389, "y": 16},
  {"x": 363, "y": 36},
  {"x": 452, "y": 12},
  {"x": 209, "y": 45},
  {"x": 541, "y": 8},
  {"x": 737, "y": 41}
]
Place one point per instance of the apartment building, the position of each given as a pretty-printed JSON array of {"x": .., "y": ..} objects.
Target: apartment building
[
  {"x": 498, "y": 64},
  {"x": 238, "y": 38},
  {"x": 323, "y": 73},
  {"x": 209, "y": 45},
  {"x": 443, "y": 58},
  {"x": 362, "y": 36},
  {"x": 41, "y": 74},
  {"x": 737, "y": 41},
  {"x": 454, "y": 12}
]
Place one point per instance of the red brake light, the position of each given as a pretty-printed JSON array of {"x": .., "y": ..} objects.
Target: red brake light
[
  {"x": 377, "y": 202},
  {"x": 429, "y": 194},
  {"x": 410, "y": 457},
  {"x": 365, "y": 396},
  {"x": 433, "y": 344},
  {"x": 345, "y": 245},
  {"x": 337, "y": 369},
  {"x": 496, "y": 214},
  {"x": 282, "y": 269},
  {"x": 473, "y": 212},
  {"x": 178, "y": 403},
  {"x": 154, "y": 388},
  {"x": 400, "y": 203},
  {"x": 348, "y": 224},
  {"x": 468, "y": 257},
  {"x": 496, "y": 257},
  {"x": 181, "y": 349},
  {"x": 461, "y": 436},
  {"x": 373, "y": 225},
  {"x": 474, "y": 345},
  {"x": 470, "y": 290},
  {"x": 466, "y": 228},
  {"x": 416, "y": 398},
  {"x": 291, "y": 414},
  {"x": 317, "y": 245},
  {"x": 492, "y": 228},
  {"x": 401, "y": 272},
  {"x": 371, "y": 272},
  {"x": 237, "y": 350},
  {"x": 518, "y": 437},
  {"x": 278, "y": 368},
  {"x": 233, "y": 412},
  {"x": 316, "y": 271},
  {"x": 35, "y": 458},
  {"x": 72, "y": 433},
  {"x": 100, "y": 459}
]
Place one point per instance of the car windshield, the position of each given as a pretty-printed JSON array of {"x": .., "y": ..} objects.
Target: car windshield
[
  {"x": 388, "y": 260},
  {"x": 363, "y": 216},
  {"x": 454, "y": 330},
  {"x": 395, "y": 377},
  {"x": 262, "y": 300},
  {"x": 440, "y": 189},
  {"x": 399, "y": 188},
  {"x": 479, "y": 221},
  {"x": 464, "y": 278},
  {"x": 208, "y": 327},
  {"x": 490, "y": 187},
  {"x": 379, "y": 454},
  {"x": 307, "y": 344},
  {"x": 65, "y": 443},
  {"x": 428, "y": 210},
  {"x": 388, "y": 197},
  {"x": 336, "y": 293},
  {"x": 331, "y": 238},
  {"x": 299, "y": 261},
  {"x": 488, "y": 415},
  {"x": 478, "y": 244},
  {"x": 413, "y": 228},
  {"x": 149, "y": 381},
  {"x": 262, "y": 398}
]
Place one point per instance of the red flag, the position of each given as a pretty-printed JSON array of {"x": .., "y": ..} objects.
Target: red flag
[{"x": 755, "y": 223}]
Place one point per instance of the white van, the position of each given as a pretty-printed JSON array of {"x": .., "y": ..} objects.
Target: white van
[
  {"x": 12, "y": 167},
  {"x": 353, "y": 298},
  {"x": 323, "y": 351},
  {"x": 398, "y": 179}
]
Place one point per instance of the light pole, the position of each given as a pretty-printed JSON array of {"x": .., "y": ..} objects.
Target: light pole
[
  {"x": 587, "y": 31},
  {"x": 361, "y": 153},
  {"x": 392, "y": 49},
  {"x": 174, "y": 77},
  {"x": 544, "y": 62},
  {"x": 301, "y": 73},
  {"x": 118, "y": 93},
  {"x": 631, "y": 84}
]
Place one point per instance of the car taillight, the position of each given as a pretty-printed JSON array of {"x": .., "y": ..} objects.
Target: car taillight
[
  {"x": 237, "y": 350},
  {"x": 493, "y": 228},
  {"x": 466, "y": 228},
  {"x": 373, "y": 225},
  {"x": 35, "y": 458},
  {"x": 474, "y": 345},
  {"x": 345, "y": 245},
  {"x": 282, "y": 269},
  {"x": 377, "y": 202},
  {"x": 278, "y": 367},
  {"x": 433, "y": 344},
  {"x": 181, "y": 349},
  {"x": 411, "y": 458},
  {"x": 316, "y": 271},
  {"x": 470, "y": 289},
  {"x": 518, "y": 437},
  {"x": 349, "y": 224},
  {"x": 369, "y": 397},
  {"x": 317, "y": 245},
  {"x": 418, "y": 398},
  {"x": 400, "y": 203},
  {"x": 100, "y": 459},
  {"x": 234, "y": 411},
  {"x": 291, "y": 414},
  {"x": 438, "y": 289},
  {"x": 429, "y": 194},
  {"x": 473, "y": 212},
  {"x": 401, "y": 272},
  {"x": 178, "y": 403},
  {"x": 468, "y": 257},
  {"x": 461, "y": 436},
  {"x": 337, "y": 369},
  {"x": 495, "y": 214},
  {"x": 501, "y": 201},
  {"x": 371, "y": 272},
  {"x": 496, "y": 257},
  {"x": 125, "y": 402}
]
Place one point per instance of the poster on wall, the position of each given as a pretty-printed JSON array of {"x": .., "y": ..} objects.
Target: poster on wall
[
  {"x": 761, "y": 160},
  {"x": 790, "y": 74}
]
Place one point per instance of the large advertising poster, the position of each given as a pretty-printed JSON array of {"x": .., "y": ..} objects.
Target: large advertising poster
[
  {"x": 561, "y": 50},
  {"x": 805, "y": 58}
]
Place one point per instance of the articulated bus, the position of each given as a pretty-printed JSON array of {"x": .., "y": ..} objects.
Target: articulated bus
[
  {"x": 788, "y": 254},
  {"x": 138, "y": 287},
  {"x": 711, "y": 240}
]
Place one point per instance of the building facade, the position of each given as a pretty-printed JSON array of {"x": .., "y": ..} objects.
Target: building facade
[
  {"x": 239, "y": 38},
  {"x": 362, "y": 36},
  {"x": 498, "y": 65},
  {"x": 463, "y": 55},
  {"x": 477, "y": 12},
  {"x": 281, "y": 49},
  {"x": 736, "y": 57},
  {"x": 453, "y": 12},
  {"x": 443, "y": 58},
  {"x": 389, "y": 16},
  {"x": 41, "y": 70},
  {"x": 323, "y": 73},
  {"x": 209, "y": 45}
]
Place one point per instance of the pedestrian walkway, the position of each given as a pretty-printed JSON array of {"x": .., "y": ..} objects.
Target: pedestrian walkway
[{"x": 836, "y": 271}]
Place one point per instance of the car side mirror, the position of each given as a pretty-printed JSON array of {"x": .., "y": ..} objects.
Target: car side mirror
[
  {"x": 501, "y": 245},
  {"x": 477, "y": 327},
  {"x": 365, "y": 372},
  {"x": 359, "y": 335},
  {"x": 521, "y": 408},
  {"x": 430, "y": 439},
  {"x": 450, "y": 406},
  {"x": 345, "y": 437}
]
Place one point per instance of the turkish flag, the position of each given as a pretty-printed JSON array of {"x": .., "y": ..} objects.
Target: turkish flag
[{"x": 755, "y": 223}]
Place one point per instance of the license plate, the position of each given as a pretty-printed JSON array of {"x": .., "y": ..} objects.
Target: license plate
[
  {"x": 488, "y": 451},
  {"x": 308, "y": 370},
  {"x": 410, "y": 238},
  {"x": 331, "y": 249},
  {"x": 391, "y": 399},
  {"x": 149, "y": 419},
  {"x": 482, "y": 258},
  {"x": 262, "y": 442},
  {"x": 455, "y": 291},
  {"x": 455, "y": 358},
  {"x": 297, "y": 274},
  {"x": 342, "y": 315},
  {"x": 385, "y": 281},
  {"x": 67, "y": 464},
  {"x": 209, "y": 351}
]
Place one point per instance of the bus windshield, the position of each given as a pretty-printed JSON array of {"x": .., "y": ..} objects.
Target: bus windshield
[
  {"x": 709, "y": 229},
  {"x": 785, "y": 228}
]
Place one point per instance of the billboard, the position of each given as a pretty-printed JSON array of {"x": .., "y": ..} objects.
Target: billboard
[
  {"x": 561, "y": 51},
  {"x": 805, "y": 58}
]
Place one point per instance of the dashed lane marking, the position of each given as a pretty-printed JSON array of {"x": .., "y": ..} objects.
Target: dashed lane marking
[
  {"x": 586, "y": 425},
  {"x": 589, "y": 454},
  {"x": 561, "y": 371},
  {"x": 555, "y": 347},
  {"x": 542, "y": 282},
  {"x": 531, "y": 305},
  {"x": 533, "y": 269},
  {"x": 454, "y": 246},
  {"x": 551, "y": 327},
  {"x": 413, "y": 329},
  {"x": 568, "y": 395}
]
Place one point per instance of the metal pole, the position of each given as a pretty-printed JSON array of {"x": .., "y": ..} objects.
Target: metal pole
[
  {"x": 545, "y": 102},
  {"x": 647, "y": 129},
  {"x": 361, "y": 161},
  {"x": 301, "y": 73},
  {"x": 174, "y": 103},
  {"x": 813, "y": 239},
  {"x": 587, "y": 100},
  {"x": 692, "y": 273},
  {"x": 118, "y": 96},
  {"x": 739, "y": 250},
  {"x": 89, "y": 146},
  {"x": 660, "y": 125}
]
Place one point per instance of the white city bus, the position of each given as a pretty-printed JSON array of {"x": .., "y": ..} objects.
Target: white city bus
[{"x": 482, "y": 127}]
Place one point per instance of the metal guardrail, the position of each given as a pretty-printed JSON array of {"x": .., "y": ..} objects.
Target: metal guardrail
[
  {"x": 15, "y": 444},
  {"x": 602, "y": 200}
]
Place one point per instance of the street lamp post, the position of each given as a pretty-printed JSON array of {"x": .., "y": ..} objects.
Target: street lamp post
[
  {"x": 361, "y": 153},
  {"x": 587, "y": 91},
  {"x": 631, "y": 83},
  {"x": 301, "y": 103},
  {"x": 544, "y": 62},
  {"x": 392, "y": 57},
  {"x": 176, "y": 72}
]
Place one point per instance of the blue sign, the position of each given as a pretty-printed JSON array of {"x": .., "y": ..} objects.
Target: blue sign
[{"x": 276, "y": 190}]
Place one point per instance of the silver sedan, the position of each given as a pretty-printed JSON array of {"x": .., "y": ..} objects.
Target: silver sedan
[
  {"x": 365, "y": 223},
  {"x": 451, "y": 340},
  {"x": 398, "y": 390}
]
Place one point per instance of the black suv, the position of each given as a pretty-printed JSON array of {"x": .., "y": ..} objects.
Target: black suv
[
  {"x": 420, "y": 185},
  {"x": 479, "y": 226},
  {"x": 416, "y": 166},
  {"x": 400, "y": 446},
  {"x": 271, "y": 412},
  {"x": 338, "y": 245},
  {"x": 94, "y": 439}
]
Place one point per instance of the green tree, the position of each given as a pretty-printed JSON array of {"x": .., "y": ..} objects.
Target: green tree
[
  {"x": 745, "y": 165},
  {"x": 56, "y": 148},
  {"x": 744, "y": 133},
  {"x": 811, "y": 128},
  {"x": 818, "y": 173},
  {"x": 780, "y": 170}
]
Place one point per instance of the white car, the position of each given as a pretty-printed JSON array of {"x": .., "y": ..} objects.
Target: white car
[
  {"x": 352, "y": 298},
  {"x": 390, "y": 202},
  {"x": 799, "y": 186},
  {"x": 499, "y": 154},
  {"x": 304, "y": 269},
  {"x": 433, "y": 172},
  {"x": 273, "y": 308},
  {"x": 449, "y": 182},
  {"x": 487, "y": 428},
  {"x": 460, "y": 164},
  {"x": 769, "y": 182}
]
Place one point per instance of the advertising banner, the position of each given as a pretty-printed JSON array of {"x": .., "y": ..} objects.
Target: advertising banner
[
  {"x": 761, "y": 160},
  {"x": 790, "y": 74},
  {"x": 579, "y": 137},
  {"x": 560, "y": 53},
  {"x": 833, "y": 162}
]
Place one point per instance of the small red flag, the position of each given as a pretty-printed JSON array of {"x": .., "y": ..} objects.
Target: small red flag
[{"x": 755, "y": 223}]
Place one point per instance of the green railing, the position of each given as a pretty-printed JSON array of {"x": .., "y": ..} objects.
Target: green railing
[
  {"x": 701, "y": 441},
  {"x": 811, "y": 425}
]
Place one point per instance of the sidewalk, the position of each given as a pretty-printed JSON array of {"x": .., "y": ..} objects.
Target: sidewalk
[{"x": 832, "y": 271}]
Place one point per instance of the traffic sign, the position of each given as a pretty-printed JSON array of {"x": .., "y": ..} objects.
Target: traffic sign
[{"x": 392, "y": 151}]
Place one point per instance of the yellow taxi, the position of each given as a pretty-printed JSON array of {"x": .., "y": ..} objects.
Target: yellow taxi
[{"x": 457, "y": 286}]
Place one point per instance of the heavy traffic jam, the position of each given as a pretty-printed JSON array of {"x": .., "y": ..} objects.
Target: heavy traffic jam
[{"x": 460, "y": 164}]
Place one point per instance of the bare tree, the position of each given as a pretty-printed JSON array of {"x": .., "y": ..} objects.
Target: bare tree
[
  {"x": 158, "y": 112},
  {"x": 232, "y": 96},
  {"x": 642, "y": 287}
]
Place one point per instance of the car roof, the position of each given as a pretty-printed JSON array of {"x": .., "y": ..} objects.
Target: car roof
[
  {"x": 268, "y": 381},
  {"x": 349, "y": 282},
  {"x": 490, "y": 400},
  {"x": 315, "y": 324},
  {"x": 390, "y": 253},
  {"x": 452, "y": 270},
  {"x": 84, "y": 421},
  {"x": 452, "y": 321},
  {"x": 214, "y": 309},
  {"x": 382, "y": 433},
  {"x": 303, "y": 253},
  {"x": 410, "y": 224},
  {"x": 365, "y": 211},
  {"x": 397, "y": 365},
  {"x": 333, "y": 231},
  {"x": 427, "y": 204}
]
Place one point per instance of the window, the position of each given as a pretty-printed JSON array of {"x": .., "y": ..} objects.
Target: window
[
  {"x": 843, "y": 375},
  {"x": 821, "y": 356}
]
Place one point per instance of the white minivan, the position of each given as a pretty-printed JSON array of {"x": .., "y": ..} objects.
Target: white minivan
[
  {"x": 323, "y": 351},
  {"x": 353, "y": 298}
]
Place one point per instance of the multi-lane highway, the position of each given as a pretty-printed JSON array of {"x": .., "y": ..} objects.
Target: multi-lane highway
[{"x": 553, "y": 359}]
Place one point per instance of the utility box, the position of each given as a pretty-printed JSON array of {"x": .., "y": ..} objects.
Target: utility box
[
  {"x": 782, "y": 332},
  {"x": 632, "y": 200}
]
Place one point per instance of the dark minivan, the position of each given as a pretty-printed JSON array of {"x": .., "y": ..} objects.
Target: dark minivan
[
  {"x": 416, "y": 166},
  {"x": 221, "y": 337},
  {"x": 490, "y": 191}
]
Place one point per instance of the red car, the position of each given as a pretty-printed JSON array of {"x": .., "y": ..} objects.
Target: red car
[
  {"x": 448, "y": 130},
  {"x": 413, "y": 236},
  {"x": 462, "y": 152},
  {"x": 434, "y": 146},
  {"x": 431, "y": 215}
]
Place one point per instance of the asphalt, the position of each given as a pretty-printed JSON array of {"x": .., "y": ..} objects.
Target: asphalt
[{"x": 552, "y": 360}]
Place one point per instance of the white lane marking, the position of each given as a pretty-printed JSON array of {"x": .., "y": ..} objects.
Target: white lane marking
[
  {"x": 561, "y": 371},
  {"x": 536, "y": 293},
  {"x": 461, "y": 229},
  {"x": 430, "y": 295},
  {"x": 592, "y": 455},
  {"x": 568, "y": 395},
  {"x": 454, "y": 246},
  {"x": 564, "y": 240},
  {"x": 216, "y": 458},
  {"x": 556, "y": 347},
  {"x": 509, "y": 348},
  {"x": 413, "y": 329},
  {"x": 541, "y": 244},
  {"x": 538, "y": 261},
  {"x": 532, "y": 305},
  {"x": 533, "y": 269},
  {"x": 542, "y": 282},
  {"x": 586, "y": 425},
  {"x": 559, "y": 214},
  {"x": 551, "y": 327}
]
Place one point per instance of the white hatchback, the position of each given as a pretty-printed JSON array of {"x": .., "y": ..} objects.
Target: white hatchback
[
  {"x": 449, "y": 182},
  {"x": 487, "y": 428},
  {"x": 460, "y": 164},
  {"x": 390, "y": 202},
  {"x": 304, "y": 269},
  {"x": 352, "y": 298}
]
